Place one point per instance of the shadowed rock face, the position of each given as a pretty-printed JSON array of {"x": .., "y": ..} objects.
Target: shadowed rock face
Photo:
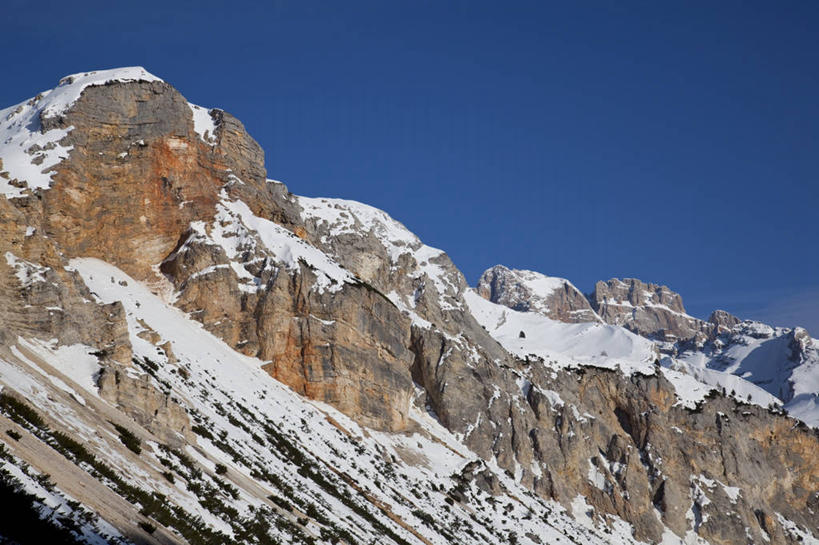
[{"x": 144, "y": 192}]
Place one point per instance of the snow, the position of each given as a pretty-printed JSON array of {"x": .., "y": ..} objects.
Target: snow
[
  {"x": 285, "y": 246},
  {"x": 800, "y": 535},
  {"x": 350, "y": 218},
  {"x": 27, "y": 273},
  {"x": 56, "y": 381},
  {"x": 71, "y": 87},
  {"x": 582, "y": 511},
  {"x": 756, "y": 359},
  {"x": 596, "y": 477},
  {"x": 74, "y": 361},
  {"x": 738, "y": 387},
  {"x": 203, "y": 124},
  {"x": 690, "y": 392},
  {"x": 562, "y": 344},
  {"x": 27, "y": 153}
]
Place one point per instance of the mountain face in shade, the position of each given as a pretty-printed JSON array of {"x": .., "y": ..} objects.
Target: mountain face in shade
[{"x": 190, "y": 353}]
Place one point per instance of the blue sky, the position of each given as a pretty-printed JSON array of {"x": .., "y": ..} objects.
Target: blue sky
[{"x": 676, "y": 142}]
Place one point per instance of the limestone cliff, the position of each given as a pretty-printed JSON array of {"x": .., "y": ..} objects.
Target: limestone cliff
[
  {"x": 529, "y": 291},
  {"x": 647, "y": 309}
]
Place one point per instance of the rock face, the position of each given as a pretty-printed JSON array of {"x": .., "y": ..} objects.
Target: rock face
[
  {"x": 646, "y": 309},
  {"x": 723, "y": 320},
  {"x": 529, "y": 291},
  {"x": 635, "y": 452},
  {"x": 137, "y": 165},
  {"x": 345, "y": 306}
]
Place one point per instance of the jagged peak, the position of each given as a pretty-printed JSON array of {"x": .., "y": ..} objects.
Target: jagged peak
[
  {"x": 532, "y": 291},
  {"x": 28, "y": 152},
  {"x": 723, "y": 318},
  {"x": 636, "y": 293},
  {"x": 539, "y": 283}
]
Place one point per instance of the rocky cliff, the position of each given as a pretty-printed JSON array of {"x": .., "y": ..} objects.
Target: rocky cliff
[
  {"x": 646, "y": 309},
  {"x": 529, "y": 291},
  {"x": 168, "y": 287}
]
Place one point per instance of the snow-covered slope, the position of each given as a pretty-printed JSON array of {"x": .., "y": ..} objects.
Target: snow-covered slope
[
  {"x": 339, "y": 218},
  {"x": 268, "y": 462},
  {"x": 782, "y": 362},
  {"x": 532, "y": 335},
  {"x": 523, "y": 290}
]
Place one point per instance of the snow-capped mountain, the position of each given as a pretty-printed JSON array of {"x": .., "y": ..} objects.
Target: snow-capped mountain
[
  {"x": 189, "y": 353},
  {"x": 530, "y": 291},
  {"x": 747, "y": 359}
]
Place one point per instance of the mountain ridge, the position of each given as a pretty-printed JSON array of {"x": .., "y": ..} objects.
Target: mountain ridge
[{"x": 320, "y": 373}]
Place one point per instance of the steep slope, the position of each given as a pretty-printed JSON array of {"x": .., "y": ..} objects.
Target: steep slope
[
  {"x": 196, "y": 355},
  {"x": 782, "y": 361}
]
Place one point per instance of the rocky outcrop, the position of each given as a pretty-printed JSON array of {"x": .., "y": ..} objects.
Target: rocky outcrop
[
  {"x": 141, "y": 398},
  {"x": 650, "y": 310},
  {"x": 723, "y": 320},
  {"x": 529, "y": 291},
  {"x": 347, "y": 348},
  {"x": 630, "y": 448},
  {"x": 138, "y": 165}
]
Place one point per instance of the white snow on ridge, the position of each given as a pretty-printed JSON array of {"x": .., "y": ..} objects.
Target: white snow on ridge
[
  {"x": 562, "y": 344},
  {"x": 345, "y": 217},
  {"x": 203, "y": 124},
  {"x": 26, "y": 272},
  {"x": 290, "y": 249},
  {"x": 74, "y": 361},
  {"x": 599, "y": 345},
  {"x": 758, "y": 360},
  {"x": 71, "y": 87},
  {"x": 734, "y": 385},
  {"x": 27, "y": 154},
  {"x": 236, "y": 228},
  {"x": 352, "y": 217}
]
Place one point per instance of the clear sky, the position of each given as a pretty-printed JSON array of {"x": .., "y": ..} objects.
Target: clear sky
[{"x": 676, "y": 142}]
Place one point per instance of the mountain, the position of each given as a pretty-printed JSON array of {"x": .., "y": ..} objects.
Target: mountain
[
  {"x": 190, "y": 353},
  {"x": 755, "y": 361},
  {"x": 530, "y": 291},
  {"x": 647, "y": 309}
]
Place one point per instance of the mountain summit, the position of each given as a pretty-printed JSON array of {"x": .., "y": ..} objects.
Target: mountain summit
[{"x": 190, "y": 353}]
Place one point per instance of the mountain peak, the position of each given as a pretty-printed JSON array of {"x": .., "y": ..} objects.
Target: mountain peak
[{"x": 530, "y": 291}]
